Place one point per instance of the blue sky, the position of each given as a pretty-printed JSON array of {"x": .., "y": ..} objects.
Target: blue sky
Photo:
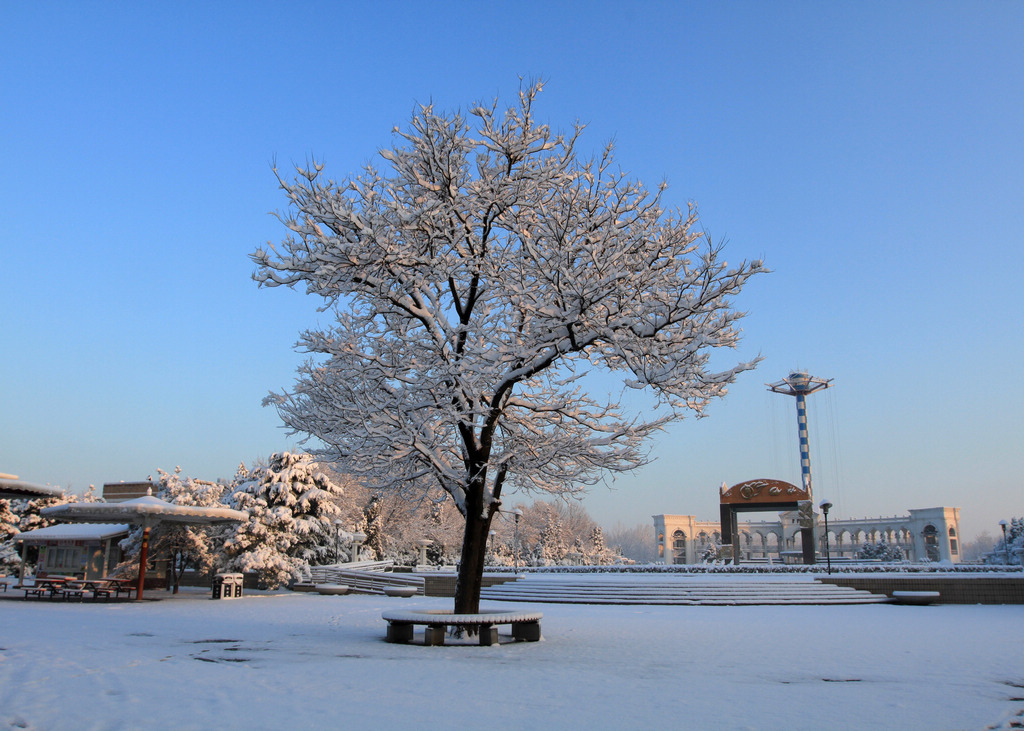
[{"x": 871, "y": 153}]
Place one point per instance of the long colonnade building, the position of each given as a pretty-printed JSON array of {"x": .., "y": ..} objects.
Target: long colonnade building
[{"x": 926, "y": 534}]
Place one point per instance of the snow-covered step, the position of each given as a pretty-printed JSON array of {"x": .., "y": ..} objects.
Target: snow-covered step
[
  {"x": 570, "y": 590},
  {"x": 372, "y": 581}
]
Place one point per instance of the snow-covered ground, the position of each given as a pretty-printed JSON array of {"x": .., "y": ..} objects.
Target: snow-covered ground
[{"x": 292, "y": 660}]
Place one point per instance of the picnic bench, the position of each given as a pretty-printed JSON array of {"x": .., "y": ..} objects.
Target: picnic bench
[
  {"x": 53, "y": 587},
  {"x": 525, "y": 625},
  {"x": 99, "y": 588},
  {"x": 49, "y": 587}
]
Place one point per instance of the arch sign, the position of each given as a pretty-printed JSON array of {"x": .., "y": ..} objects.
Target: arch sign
[{"x": 765, "y": 495}]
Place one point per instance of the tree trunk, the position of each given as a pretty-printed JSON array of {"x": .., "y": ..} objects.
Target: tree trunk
[{"x": 471, "y": 565}]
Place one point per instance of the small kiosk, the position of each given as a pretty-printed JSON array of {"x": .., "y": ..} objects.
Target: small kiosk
[{"x": 82, "y": 551}]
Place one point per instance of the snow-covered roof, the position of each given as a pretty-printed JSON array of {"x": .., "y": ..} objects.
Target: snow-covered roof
[
  {"x": 12, "y": 487},
  {"x": 147, "y": 510},
  {"x": 74, "y": 532}
]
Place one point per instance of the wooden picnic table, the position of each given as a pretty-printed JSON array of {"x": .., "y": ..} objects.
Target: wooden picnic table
[
  {"x": 118, "y": 586},
  {"x": 98, "y": 587},
  {"x": 50, "y": 586},
  {"x": 67, "y": 587}
]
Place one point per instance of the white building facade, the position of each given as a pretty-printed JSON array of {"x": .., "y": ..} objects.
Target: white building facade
[{"x": 927, "y": 534}]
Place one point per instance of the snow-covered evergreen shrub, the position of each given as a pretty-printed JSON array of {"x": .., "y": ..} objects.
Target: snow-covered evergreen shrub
[
  {"x": 292, "y": 505},
  {"x": 708, "y": 553},
  {"x": 881, "y": 551},
  {"x": 1009, "y": 550}
]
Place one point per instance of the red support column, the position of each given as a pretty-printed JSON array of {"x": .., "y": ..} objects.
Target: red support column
[{"x": 143, "y": 555}]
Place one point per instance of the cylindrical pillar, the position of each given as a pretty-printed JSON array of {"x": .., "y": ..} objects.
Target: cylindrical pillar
[{"x": 805, "y": 450}]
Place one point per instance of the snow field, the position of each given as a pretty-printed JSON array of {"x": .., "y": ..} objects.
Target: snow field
[{"x": 298, "y": 660}]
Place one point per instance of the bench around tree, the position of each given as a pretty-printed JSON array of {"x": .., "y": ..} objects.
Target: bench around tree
[{"x": 525, "y": 625}]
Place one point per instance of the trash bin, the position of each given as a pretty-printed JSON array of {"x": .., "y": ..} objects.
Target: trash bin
[{"x": 227, "y": 586}]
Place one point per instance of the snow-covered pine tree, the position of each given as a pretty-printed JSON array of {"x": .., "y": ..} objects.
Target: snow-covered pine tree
[
  {"x": 474, "y": 282},
  {"x": 551, "y": 548},
  {"x": 599, "y": 554},
  {"x": 373, "y": 520},
  {"x": 292, "y": 506},
  {"x": 8, "y": 531}
]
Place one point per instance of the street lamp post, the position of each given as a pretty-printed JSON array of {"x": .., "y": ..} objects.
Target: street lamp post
[
  {"x": 825, "y": 507},
  {"x": 1006, "y": 543}
]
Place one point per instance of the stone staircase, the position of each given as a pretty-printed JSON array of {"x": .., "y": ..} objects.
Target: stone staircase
[
  {"x": 366, "y": 577},
  {"x": 735, "y": 591}
]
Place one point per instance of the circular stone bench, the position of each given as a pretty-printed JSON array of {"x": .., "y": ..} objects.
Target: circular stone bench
[
  {"x": 525, "y": 625},
  {"x": 915, "y": 597},
  {"x": 332, "y": 589},
  {"x": 404, "y": 591}
]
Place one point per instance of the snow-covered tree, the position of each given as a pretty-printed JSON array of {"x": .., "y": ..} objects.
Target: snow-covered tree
[
  {"x": 31, "y": 519},
  {"x": 474, "y": 283},
  {"x": 1009, "y": 549},
  {"x": 442, "y": 529},
  {"x": 292, "y": 505},
  {"x": 8, "y": 521},
  {"x": 375, "y": 527},
  {"x": 8, "y": 532},
  {"x": 550, "y": 548},
  {"x": 596, "y": 553},
  {"x": 881, "y": 551},
  {"x": 709, "y": 552},
  {"x": 637, "y": 543},
  {"x": 185, "y": 546}
]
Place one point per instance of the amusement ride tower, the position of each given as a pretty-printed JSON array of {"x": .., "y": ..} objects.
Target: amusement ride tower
[{"x": 801, "y": 385}]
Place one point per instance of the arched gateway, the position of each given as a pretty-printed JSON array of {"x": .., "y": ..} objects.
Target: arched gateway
[{"x": 763, "y": 495}]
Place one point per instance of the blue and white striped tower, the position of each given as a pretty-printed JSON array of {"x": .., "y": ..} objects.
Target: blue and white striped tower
[{"x": 800, "y": 385}]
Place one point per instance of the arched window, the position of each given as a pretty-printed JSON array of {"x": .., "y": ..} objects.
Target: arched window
[
  {"x": 679, "y": 547},
  {"x": 931, "y": 542}
]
